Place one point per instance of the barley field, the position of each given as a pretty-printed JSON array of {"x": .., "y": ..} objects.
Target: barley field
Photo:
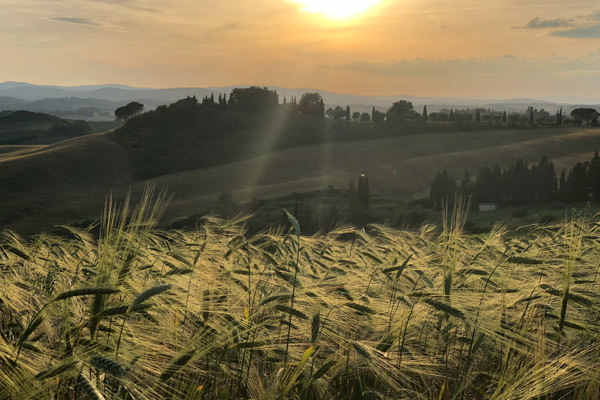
[{"x": 128, "y": 311}]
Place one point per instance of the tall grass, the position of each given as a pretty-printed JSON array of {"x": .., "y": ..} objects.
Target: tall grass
[{"x": 375, "y": 313}]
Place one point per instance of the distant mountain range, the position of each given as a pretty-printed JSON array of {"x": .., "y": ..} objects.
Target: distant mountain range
[{"x": 98, "y": 102}]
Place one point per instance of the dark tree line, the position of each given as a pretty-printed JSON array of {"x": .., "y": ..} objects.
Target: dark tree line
[
  {"x": 522, "y": 183},
  {"x": 582, "y": 183}
]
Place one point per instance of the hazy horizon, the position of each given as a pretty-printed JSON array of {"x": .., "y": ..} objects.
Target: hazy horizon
[
  {"x": 567, "y": 99},
  {"x": 501, "y": 49}
]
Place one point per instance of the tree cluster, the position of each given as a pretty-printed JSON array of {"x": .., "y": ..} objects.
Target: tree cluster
[
  {"x": 191, "y": 134},
  {"x": 253, "y": 98},
  {"x": 522, "y": 183},
  {"x": 312, "y": 104},
  {"x": 402, "y": 112},
  {"x": 582, "y": 183},
  {"x": 129, "y": 110},
  {"x": 585, "y": 116}
]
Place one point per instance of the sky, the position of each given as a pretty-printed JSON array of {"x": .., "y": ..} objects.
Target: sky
[{"x": 489, "y": 48}]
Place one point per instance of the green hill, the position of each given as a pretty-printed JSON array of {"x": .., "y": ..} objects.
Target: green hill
[
  {"x": 399, "y": 168},
  {"x": 51, "y": 184},
  {"x": 188, "y": 135},
  {"x": 26, "y": 127},
  {"x": 67, "y": 181}
]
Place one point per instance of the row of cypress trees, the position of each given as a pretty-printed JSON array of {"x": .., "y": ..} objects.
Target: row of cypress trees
[{"x": 522, "y": 183}]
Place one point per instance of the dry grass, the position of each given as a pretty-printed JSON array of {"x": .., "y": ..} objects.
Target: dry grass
[{"x": 358, "y": 314}]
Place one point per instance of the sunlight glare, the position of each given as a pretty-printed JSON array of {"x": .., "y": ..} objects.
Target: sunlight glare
[{"x": 336, "y": 9}]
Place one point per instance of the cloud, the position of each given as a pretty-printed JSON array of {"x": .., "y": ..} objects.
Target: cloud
[
  {"x": 75, "y": 20},
  {"x": 583, "y": 26},
  {"x": 127, "y": 4},
  {"x": 579, "y": 33},
  {"x": 538, "y": 23}
]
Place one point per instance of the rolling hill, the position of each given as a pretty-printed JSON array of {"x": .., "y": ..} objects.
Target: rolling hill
[
  {"x": 399, "y": 168},
  {"x": 52, "y": 184},
  {"x": 67, "y": 182},
  {"x": 99, "y": 101}
]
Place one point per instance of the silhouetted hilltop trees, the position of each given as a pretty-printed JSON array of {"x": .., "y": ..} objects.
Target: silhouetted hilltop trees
[
  {"x": 585, "y": 115},
  {"x": 312, "y": 104},
  {"x": 402, "y": 112},
  {"x": 336, "y": 113},
  {"x": 190, "y": 134},
  {"x": 129, "y": 110},
  {"x": 377, "y": 116},
  {"x": 254, "y": 99}
]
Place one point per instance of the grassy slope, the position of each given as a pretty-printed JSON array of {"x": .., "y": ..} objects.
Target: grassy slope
[
  {"x": 400, "y": 167},
  {"x": 67, "y": 182},
  {"x": 59, "y": 183}
]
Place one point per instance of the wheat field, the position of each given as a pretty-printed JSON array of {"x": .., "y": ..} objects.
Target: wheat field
[{"x": 133, "y": 312}]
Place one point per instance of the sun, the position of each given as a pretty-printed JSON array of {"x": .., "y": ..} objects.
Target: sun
[{"x": 336, "y": 9}]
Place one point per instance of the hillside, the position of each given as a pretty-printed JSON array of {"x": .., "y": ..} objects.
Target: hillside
[
  {"x": 188, "y": 134},
  {"x": 52, "y": 184},
  {"x": 401, "y": 167},
  {"x": 23, "y": 127},
  {"x": 67, "y": 182}
]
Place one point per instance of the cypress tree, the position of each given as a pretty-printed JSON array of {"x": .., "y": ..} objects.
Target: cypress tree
[
  {"x": 531, "y": 119},
  {"x": 478, "y": 116},
  {"x": 363, "y": 192},
  {"x": 594, "y": 177},
  {"x": 347, "y": 113},
  {"x": 578, "y": 182},
  {"x": 442, "y": 189},
  {"x": 321, "y": 110},
  {"x": 425, "y": 115},
  {"x": 559, "y": 117}
]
